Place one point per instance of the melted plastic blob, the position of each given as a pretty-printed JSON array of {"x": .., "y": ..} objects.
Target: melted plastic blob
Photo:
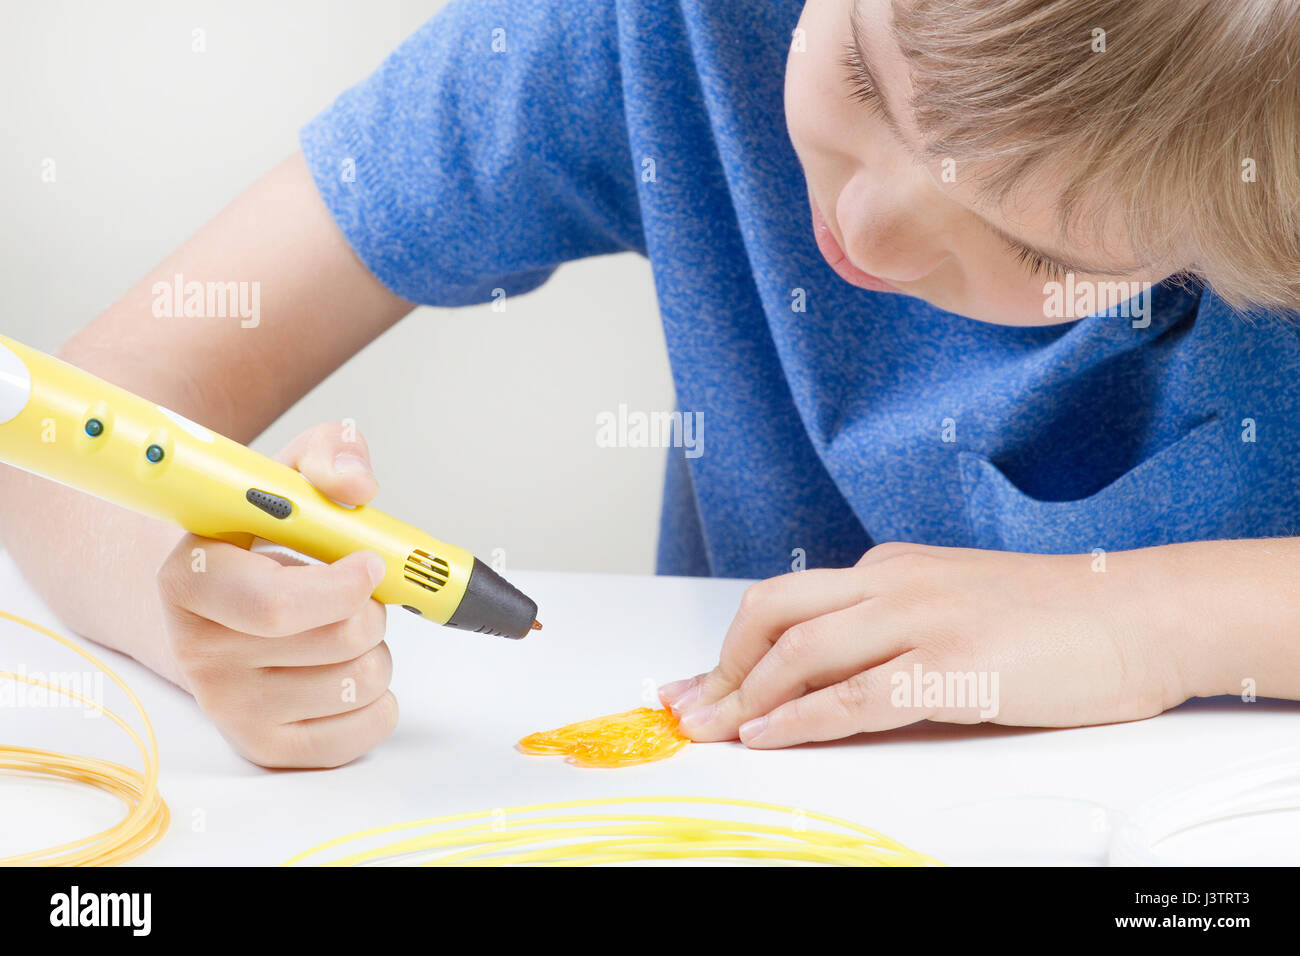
[{"x": 615, "y": 740}]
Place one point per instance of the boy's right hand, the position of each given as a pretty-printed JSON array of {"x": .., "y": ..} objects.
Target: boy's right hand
[{"x": 288, "y": 661}]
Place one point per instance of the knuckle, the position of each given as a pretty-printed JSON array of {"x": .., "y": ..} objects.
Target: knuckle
[
  {"x": 359, "y": 585},
  {"x": 385, "y": 715},
  {"x": 270, "y": 610},
  {"x": 906, "y": 565},
  {"x": 933, "y": 655},
  {"x": 905, "y": 569},
  {"x": 376, "y": 615},
  {"x": 373, "y": 668},
  {"x": 797, "y": 713},
  {"x": 719, "y": 681},
  {"x": 361, "y": 632},
  {"x": 888, "y": 551},
  {"x": 853, "y": 695},
  {"x": 798, "y": 641},
  {"x": 754, "y": 600}
]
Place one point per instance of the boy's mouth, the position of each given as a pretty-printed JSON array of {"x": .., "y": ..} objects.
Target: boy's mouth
[{"x": 839, "y": 259}]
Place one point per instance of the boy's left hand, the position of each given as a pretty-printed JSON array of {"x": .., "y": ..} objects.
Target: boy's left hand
[{"x": 1051, "y": 640}]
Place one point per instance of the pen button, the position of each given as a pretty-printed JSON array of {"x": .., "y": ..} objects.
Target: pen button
[{"x": 273, "y": 505}]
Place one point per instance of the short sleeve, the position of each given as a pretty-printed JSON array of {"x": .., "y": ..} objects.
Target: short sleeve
[{"x": 486, "y": 150}]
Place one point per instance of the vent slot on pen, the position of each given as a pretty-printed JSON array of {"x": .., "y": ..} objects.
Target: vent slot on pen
[{"x": 427, "y": 570}]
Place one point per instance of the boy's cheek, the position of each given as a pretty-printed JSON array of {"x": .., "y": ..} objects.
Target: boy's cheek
[
  {"x": 987, "y": 285},
  {"x": 817, "y": 108},
  {"x": 804, "y": 110}
]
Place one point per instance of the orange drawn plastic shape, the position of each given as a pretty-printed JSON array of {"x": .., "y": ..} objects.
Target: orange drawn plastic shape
[{"x": 615, "y": 740}]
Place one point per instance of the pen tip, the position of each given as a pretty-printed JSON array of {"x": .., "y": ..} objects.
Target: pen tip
[{"x": 537, "y": 625}]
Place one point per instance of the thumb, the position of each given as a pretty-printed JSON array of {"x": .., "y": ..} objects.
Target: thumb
[{"x": 334, "y": 457}]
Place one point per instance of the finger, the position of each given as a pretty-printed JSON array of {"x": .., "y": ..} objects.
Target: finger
[
  {"x": 289, "y": 694},
  {"x": 207, "y": 645},
  {"x": 334, "y": 457},
  {"x": 334, "y": 643},
  {"x": 768, "y": 609},
  {"x": 334, "y": 741},
  {"x": 863, "y": 702},
  {"x": 255, "y": 594},
  {"x": 810, "y": 655},
  {"x": 672, "y": 692}
]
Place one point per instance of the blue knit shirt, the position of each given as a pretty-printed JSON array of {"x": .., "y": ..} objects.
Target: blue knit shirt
[{"x": 509, "y": 136}]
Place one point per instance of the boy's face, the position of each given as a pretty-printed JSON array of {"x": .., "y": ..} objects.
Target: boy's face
[{"x": 888, "y": 220}]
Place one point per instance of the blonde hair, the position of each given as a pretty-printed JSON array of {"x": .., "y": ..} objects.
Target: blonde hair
[{"x": 1185, "y": 113}]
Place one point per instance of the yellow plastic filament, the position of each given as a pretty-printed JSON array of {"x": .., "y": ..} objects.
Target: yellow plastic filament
[
  {"x": 542, "y": 835},
  {"x": 147, "y": 817},
  {"x": 615, "y": 740}
]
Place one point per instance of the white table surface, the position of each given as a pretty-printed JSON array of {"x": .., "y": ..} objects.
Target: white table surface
[{"x": 967, "y": 795}]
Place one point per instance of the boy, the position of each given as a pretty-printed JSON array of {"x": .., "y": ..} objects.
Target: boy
[{"x": 885, "y": 239}]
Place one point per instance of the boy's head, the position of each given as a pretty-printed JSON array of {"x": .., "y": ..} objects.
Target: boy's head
[{"x": 969, "y": 151}]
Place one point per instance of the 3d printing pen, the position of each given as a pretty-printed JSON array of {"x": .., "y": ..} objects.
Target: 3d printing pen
[{"x": 66, "y": 425}]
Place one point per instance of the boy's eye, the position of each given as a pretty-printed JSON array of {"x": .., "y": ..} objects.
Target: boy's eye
[
  {"x": 859, "y": 80},
  {"x": 862, "y": 90},
  {"x": 1036, "y": 264}
]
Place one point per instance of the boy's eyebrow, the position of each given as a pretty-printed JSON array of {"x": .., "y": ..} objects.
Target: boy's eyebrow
[
  {"x": 1065, "y": 265},
  {"x": 864, "y": 62}
]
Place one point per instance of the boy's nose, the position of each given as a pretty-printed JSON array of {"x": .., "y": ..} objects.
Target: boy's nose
[{"x": 889, "y": 229}]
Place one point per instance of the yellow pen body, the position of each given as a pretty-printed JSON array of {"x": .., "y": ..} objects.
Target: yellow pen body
[{"x": 78, "y": 430}]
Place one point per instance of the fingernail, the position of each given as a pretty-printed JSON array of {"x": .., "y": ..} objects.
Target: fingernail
[
  {"x": 751, "y": 730},
  {"x": 670, "y": 692},
  {"x": 686, "y": 701},
  {"x": 346, "y": 463},
  {"x": 376, "y": 567},
  {"x": 697, "y": 718}
]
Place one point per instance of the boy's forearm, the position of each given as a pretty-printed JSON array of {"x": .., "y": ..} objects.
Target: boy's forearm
[
  {"x": 91, "y": 562},
  {"x": 1236, "y": 610},
  {"x": 94, "y": 563},
  {"x": 316, "y": 307}
]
